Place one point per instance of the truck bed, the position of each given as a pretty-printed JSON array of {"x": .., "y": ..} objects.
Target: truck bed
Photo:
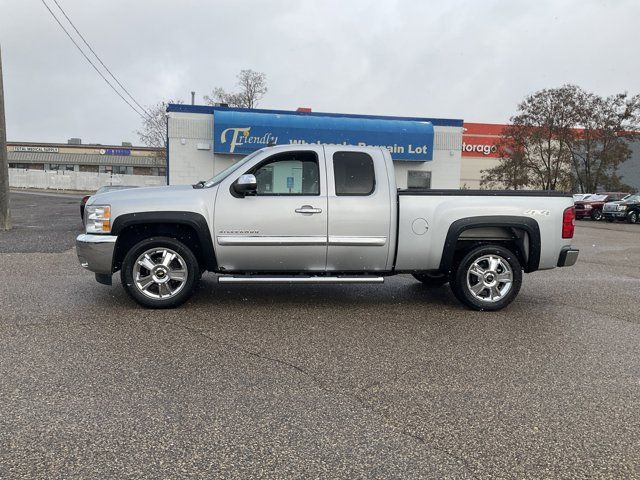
[{"x": 482, "y": 193}]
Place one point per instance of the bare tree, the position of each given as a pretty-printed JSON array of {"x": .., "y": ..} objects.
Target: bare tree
[
  {"x": 153, "y": 132},
  {"x": 252, "y": 88},
  {"x": 600, "y": 143},
  {"x": 564, "y": 138},
  {"x": 535, "y": 143},
  {"x": 540, "y": 130},
  {"x": 512, "y": 171}
]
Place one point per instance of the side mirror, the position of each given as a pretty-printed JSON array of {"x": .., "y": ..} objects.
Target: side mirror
[{"x": 246, "y": 185}]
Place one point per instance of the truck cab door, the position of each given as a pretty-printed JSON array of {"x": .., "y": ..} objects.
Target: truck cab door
[
  {"x": 283, "y": 225},
  {"x": 362, "y": 209}
]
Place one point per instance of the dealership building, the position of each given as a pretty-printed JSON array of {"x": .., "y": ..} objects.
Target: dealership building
[
  {"x": 204, "y": 140},
  {"x": 427, "y": 152}
]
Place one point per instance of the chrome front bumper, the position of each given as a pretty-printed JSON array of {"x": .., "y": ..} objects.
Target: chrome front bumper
[
  {"x": 95, "y": 252},
  {"x": 568, "y": 256}
]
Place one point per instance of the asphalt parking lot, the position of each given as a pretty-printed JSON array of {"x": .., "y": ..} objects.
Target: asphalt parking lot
[{"x": 392, "y": 381}]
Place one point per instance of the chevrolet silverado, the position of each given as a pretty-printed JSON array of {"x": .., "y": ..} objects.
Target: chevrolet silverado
[{"x": 323, "y": 214}]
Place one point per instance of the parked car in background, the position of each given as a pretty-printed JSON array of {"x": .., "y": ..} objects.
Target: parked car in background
[
  {"x": 106, "y": 188},
  {"x": 591, "y": 205},
  {"x": 580, "y": 196},
  {"x": 626, "y": 209}
]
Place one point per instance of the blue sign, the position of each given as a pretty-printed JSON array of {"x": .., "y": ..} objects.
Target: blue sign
[
  {"x": 289, "y": 182},
  {"x": 244, "y": 132},
  {"x": 117, "y": 151}
]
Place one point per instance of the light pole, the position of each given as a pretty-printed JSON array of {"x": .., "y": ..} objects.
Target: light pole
[{"x": 5, "y": 215}]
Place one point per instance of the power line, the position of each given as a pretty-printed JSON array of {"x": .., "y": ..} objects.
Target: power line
[
  {"x": 89, "y": 60},
  {"x": 99, "y": 60}
]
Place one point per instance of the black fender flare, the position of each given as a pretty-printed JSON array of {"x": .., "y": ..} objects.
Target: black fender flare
[
  {"x": 529, "y": 225},
  {"x": 191, "y": 219}
]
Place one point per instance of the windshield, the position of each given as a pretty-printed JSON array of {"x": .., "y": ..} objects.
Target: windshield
[
  {"x": 632, "y": 198},
  {"x": 227, "y": 171}
]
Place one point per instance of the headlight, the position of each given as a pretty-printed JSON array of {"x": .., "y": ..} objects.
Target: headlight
[
  {"x": 98, "y": 218},
  {"x": 622, "y": 207}
]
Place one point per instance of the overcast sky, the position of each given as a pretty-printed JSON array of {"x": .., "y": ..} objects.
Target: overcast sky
[{"x": 454, "y": 59}]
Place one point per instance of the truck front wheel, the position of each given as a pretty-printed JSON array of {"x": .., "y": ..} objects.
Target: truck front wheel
[
  {"x": 160, "y": 272},
  {"x": 487, "y": 278}
]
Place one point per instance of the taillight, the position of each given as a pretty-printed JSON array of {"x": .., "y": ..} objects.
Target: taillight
[{"x": 568, "y": 222}]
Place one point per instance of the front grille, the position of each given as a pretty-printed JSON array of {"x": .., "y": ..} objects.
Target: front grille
[{"x": 610, "y": 207}]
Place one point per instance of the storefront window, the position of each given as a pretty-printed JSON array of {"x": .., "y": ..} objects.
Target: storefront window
[
  {"x": 60, "y": 167},
  {"x": 418, "y": 179},
  {"x": 116, "y": 169}
]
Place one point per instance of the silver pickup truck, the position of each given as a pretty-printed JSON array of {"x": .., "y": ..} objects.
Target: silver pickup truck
[{"x": 323, "y": 214}]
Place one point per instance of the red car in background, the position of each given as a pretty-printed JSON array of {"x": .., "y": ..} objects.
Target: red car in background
[{"x": 591, "y": 205}]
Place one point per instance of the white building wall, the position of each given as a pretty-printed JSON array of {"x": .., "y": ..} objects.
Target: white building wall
[
  {"x": 80, "y": 181},
  {"x": 445, "y": 166},
  {"x": 191, "y": 156},
  {"x": 190, "y": 148}
]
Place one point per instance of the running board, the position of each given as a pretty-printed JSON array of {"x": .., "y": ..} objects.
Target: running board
[{"x": 249, "y": 279}]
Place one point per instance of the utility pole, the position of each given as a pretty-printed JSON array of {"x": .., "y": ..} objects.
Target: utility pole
[
  {"x": 193, "y": 98},
  {"x": 5, "y": 215}
]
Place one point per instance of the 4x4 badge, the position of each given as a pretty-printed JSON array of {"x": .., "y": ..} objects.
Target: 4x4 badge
[{"x": 533, "y": 211}]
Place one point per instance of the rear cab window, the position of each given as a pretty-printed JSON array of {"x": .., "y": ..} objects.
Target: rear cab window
[{"x": 354, "y": 174}]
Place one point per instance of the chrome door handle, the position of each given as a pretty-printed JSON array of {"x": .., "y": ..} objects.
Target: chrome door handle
[{"x": 308, "y": 210}]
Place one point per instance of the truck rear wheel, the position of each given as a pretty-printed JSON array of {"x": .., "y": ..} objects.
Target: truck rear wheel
[
  {"x": 431, "y": 279},
  {"x": 160, "y": 272},
  {"x": 487, "y": 278}
]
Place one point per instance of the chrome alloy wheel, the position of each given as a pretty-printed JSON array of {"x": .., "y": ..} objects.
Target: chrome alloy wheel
[
  {"x": 160, "y": 273},
  {"x": 489, "y": 278}
]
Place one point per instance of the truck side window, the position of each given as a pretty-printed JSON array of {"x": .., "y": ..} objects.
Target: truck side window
[
  {"x": 289, "y": 173},
  {"x": 354, "y": 173}
]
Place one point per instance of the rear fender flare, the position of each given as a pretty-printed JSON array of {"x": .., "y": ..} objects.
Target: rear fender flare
[{"x": 529, "y": 225}]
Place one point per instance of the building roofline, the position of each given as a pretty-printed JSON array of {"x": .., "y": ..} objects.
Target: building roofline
[
  {"x": 207, "y": 109},
  {"x": 83, "y": 145}
]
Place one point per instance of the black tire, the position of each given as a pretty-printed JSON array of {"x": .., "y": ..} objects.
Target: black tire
[
  {"x": 185, "y": 261},
  {"x": 507, "y": 261},
  {"x": 431, "y": 279},
  {"x": 633, "y": 217},
  {"x": 596, "y": 215}
]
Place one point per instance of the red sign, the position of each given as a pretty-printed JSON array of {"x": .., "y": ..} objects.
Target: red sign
[
  {"x": 479, "y": 146},
  {"x": 480, "y": 139}
]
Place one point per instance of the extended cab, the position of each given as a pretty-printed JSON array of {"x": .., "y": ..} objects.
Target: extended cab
[{"x": 323, "y": 214}]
